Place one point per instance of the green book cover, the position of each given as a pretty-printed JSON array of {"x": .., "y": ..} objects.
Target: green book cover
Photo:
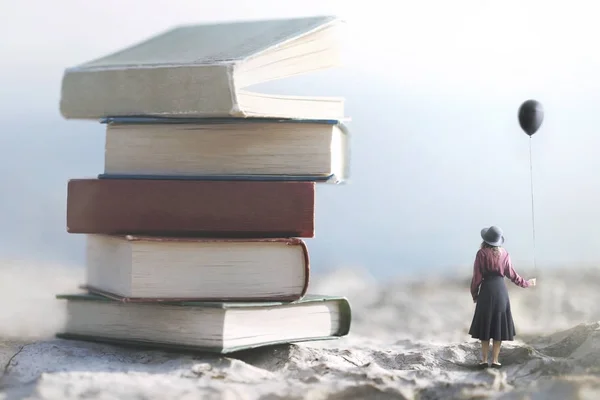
[{"x": 343, "y": 324}]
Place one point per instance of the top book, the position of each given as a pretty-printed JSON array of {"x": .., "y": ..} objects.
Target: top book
[{"x": 200, "y": 70}]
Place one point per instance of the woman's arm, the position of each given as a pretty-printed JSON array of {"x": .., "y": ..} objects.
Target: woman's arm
[
  {"x": 511, "y": 274},
  {"x": 477, "y": 276}
]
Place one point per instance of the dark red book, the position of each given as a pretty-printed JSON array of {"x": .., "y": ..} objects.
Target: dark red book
[{"x": 243, "y": 209}]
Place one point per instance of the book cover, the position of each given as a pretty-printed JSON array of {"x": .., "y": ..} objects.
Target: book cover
[{"x": 191, "y": 207}]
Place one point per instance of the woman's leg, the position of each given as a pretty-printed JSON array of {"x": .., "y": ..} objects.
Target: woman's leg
[
  {"x": 496, "y": 351},
  {"x": 485, "y": 350}
]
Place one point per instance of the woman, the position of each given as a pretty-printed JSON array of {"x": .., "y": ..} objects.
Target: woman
[{"x": 493, "y": 319}]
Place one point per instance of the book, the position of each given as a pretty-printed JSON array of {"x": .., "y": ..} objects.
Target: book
[
  {"x": 219, "y": 327},
  {"x": 191, "y": 208},
  {"x": 262, "y": 149},
  {"x": 137, "y": 268},
  {"x": 204, "y": 71}
]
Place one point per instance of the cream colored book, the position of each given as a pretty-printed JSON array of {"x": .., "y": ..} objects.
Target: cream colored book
[
  {"x": 260, "y": 149},
  {"x": 137, "y": 268},
  {"x": 205, "y": 70}
]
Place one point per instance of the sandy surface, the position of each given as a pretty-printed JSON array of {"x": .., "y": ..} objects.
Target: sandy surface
[{"x": 408, "y": 341}]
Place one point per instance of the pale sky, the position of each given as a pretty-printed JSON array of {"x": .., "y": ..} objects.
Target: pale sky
[
  {"x": 432, "y": 88},
  {"x": 467, "y": 45}
]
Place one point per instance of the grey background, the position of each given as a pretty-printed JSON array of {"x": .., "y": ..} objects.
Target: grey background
[{"x": 436, "y": 149}]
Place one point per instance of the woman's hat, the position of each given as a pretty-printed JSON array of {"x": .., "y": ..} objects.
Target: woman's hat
[{"x": 492, "y": 236}]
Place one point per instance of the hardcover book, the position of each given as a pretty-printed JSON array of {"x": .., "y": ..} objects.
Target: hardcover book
[
  {"x": 259, "y": 149},
  {"x": 142, "y": 269},
  {"x": 241, "y": 209},
  {"x": 205, "y": 70},
  {"x": 218, "y": 327}
]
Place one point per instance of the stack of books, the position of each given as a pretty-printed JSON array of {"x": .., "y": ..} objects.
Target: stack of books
[{"x": 195, "y": 227}]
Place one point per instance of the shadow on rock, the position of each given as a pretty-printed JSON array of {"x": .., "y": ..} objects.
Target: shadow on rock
[{"x": 367, "y": 391}]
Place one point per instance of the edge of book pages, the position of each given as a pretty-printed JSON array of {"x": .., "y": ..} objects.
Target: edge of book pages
[
  {"x": 293, "y": 241},
  {"x": 141, "y": 120},
  {"x": 345, "y": 323}
]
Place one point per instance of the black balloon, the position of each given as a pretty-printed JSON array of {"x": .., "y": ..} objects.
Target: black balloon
[{"x": 531, "y": 116}]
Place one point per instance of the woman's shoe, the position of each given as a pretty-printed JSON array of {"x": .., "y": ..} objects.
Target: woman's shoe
[
  {"x": 483, "y": 365},
  {"x": 496, "y": 365}
]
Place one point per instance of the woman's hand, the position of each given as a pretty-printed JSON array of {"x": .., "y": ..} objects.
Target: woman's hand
[{"x": 532, "y": 282}]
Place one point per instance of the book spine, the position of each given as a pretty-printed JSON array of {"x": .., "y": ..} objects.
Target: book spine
[
  {"x": 217, "y": 209},
  {"x": 88, "y": 93},
  {"x": 306, "y": 268}
]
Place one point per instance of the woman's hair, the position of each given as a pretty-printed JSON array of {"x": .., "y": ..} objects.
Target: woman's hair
[{"x": 496, "y": 249}]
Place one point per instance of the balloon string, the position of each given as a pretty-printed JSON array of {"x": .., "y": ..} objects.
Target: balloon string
[{"x": 532, "y": 203}]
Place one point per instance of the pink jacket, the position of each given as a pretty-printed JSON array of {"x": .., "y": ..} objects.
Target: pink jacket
[{"x": 489, "y": 263}]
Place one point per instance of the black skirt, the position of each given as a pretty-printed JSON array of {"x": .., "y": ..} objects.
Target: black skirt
[{"x": 493, "y": 319}]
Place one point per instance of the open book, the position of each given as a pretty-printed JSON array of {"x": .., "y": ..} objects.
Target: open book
[{"x": 202, "y": 71}]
